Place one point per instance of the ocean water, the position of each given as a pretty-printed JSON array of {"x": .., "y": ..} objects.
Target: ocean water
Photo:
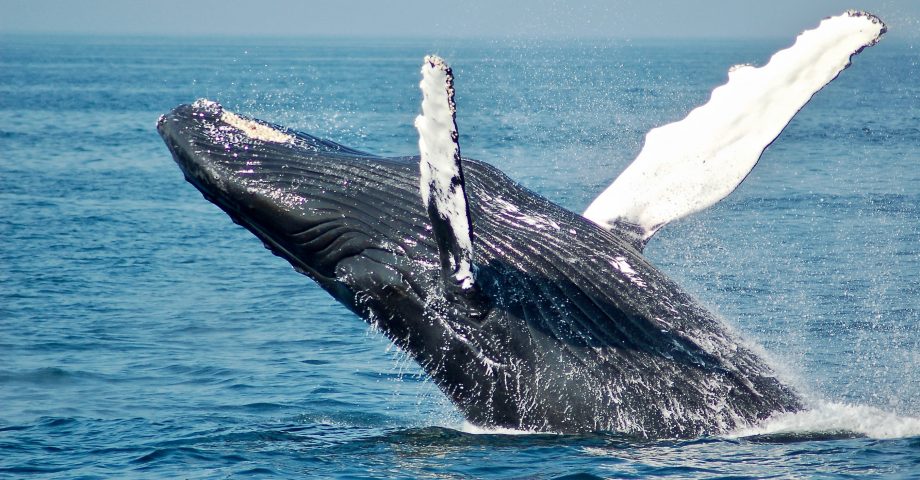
[{"x": 144, "y": 335}]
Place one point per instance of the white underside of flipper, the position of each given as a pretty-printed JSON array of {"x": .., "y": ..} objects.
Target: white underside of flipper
[{"x": 690, "y": 165}]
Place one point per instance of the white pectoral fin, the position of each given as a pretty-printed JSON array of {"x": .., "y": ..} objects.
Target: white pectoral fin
[
  {"x": 690, "y": 165},
  {"x": 441, "y": 174}
]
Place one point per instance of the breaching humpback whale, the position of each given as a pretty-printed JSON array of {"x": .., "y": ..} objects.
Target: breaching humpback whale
[{"x": 525, "y": 314}]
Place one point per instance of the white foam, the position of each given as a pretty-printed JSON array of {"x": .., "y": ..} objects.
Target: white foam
[
  {"x": 468, "y": 427},
  {"x": 826, "y": 417},
  {"x": 838, "y": 417},
  {"x": 691, "y": 164}
]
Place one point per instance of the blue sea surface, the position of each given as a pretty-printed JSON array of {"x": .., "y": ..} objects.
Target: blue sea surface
[{"x": 144, "y": 335}]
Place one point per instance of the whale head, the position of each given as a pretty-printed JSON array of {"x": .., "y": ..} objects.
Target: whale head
[{"x": 309, "y": 200}]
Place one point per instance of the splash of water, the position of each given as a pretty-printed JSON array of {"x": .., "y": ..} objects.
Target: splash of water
[
  {"x": 834, "y": 417},
  {"x": 468, "y": 427}
]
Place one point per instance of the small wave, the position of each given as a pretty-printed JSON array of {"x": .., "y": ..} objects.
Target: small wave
[
  {"x": 311, "y": 361},
  {"x": 445, "y": 436},
  {"x": 835, "y": 420},
  {"x": 48, "y": 376},
  {"x": 256, "y": 407}
]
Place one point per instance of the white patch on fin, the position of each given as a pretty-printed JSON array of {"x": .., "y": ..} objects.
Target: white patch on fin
[
  {"x": 441, "y": 179},
  {"x": 689, "y": 165}
]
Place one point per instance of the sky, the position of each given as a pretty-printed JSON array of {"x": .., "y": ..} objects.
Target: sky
[{"x": 437, "y": 18}]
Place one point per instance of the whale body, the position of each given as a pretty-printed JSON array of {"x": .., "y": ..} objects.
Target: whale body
[
  {"x": 526, "y": 315},
  {"x": 580, "y": 332}
]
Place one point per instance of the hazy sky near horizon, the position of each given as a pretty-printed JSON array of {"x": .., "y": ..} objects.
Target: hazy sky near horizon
[{"x": 436, "y": 18}]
